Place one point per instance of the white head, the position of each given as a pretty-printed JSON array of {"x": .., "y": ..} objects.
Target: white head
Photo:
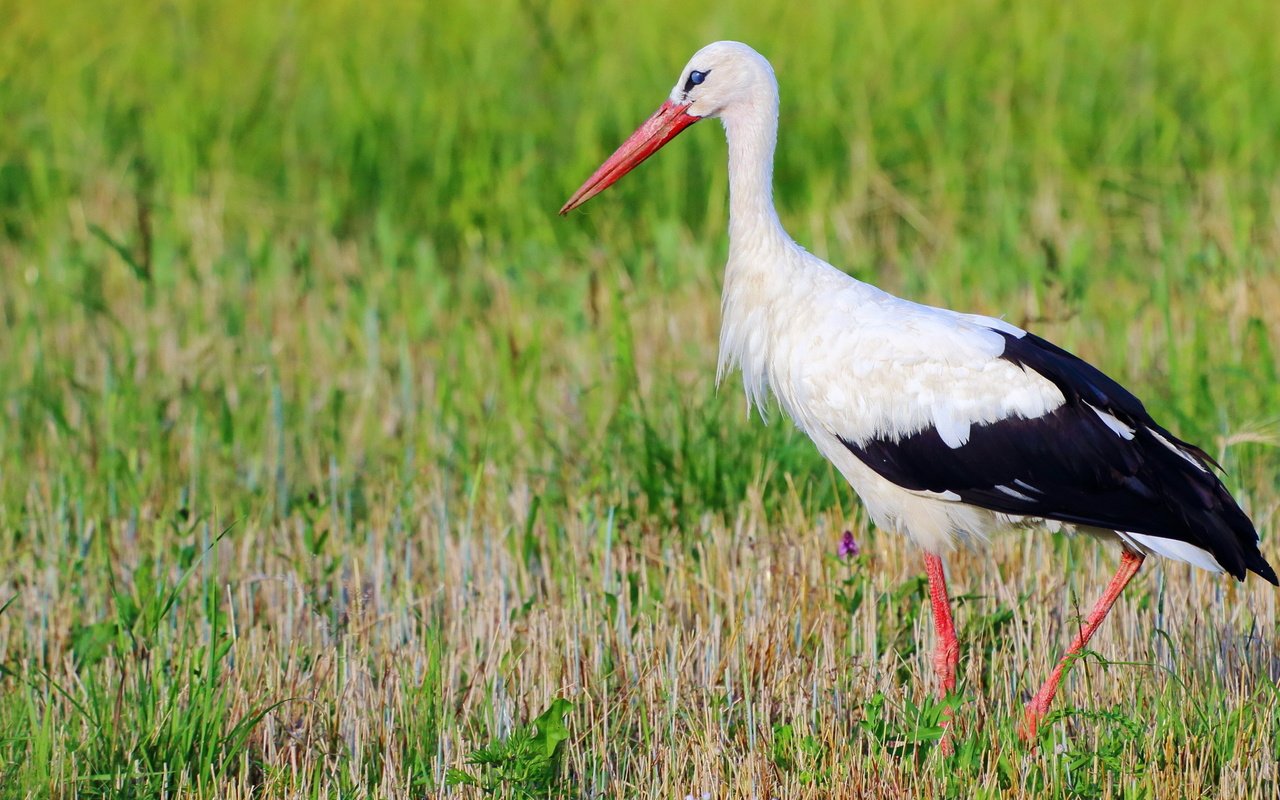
[{"x": 723, "y": 79}]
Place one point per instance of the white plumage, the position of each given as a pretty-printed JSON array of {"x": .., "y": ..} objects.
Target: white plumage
[
  {"x": 862, "y": 364},
  {"x": 949, "y": 426},
  {"x": 858, "y": 362}
]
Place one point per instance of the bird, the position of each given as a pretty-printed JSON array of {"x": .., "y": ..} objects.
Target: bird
[{"x": 951, "y": 427}]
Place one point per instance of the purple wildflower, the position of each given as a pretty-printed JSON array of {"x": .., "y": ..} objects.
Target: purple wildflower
[{"x": 848, "y": 546}]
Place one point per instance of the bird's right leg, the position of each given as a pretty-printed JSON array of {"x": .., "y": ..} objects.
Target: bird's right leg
[{"x": 946, "y": 654}]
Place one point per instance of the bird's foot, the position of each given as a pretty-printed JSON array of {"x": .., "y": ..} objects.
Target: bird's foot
[
  {"x": 944, "y": 743},
  {"x": 1029, "y": 730},
  {"x": 1038, "y": 707},
  {"x": 947, "y": 722},
  {"x": 1035, "y": 713},
  {"x": 945, "y": 660}
]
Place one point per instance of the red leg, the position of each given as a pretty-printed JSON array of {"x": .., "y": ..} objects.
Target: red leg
[
  {"x": 947, "y": 651},
  {"x": 1039, "y": 705}
]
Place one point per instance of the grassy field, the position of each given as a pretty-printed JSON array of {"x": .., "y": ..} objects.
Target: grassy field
[{"x": 331, "y": 459}]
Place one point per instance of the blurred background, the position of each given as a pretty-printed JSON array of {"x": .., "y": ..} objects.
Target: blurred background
[{"x": 291, "y": 274}]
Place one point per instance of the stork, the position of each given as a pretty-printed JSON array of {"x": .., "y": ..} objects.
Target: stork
[{"x": 950, "y": 427}]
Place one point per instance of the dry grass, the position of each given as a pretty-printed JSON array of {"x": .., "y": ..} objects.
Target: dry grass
[{"x": 389, "y": 643}]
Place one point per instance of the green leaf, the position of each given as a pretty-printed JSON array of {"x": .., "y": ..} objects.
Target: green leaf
[
  {"x": 551, "y": 727},
  {"x": 456, "y": 777}
]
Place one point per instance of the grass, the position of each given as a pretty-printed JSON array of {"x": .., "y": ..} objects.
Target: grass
[{"x": 331, "y": 461}]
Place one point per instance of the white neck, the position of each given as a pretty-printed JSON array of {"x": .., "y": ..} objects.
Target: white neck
[
  {"x": 752, "y": 131},
  {"x": 762, "y": 257}
]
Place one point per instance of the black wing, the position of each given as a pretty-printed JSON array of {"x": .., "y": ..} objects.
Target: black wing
[{"x": 1071, "y": 465}]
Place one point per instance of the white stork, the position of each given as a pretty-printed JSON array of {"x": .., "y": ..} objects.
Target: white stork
[{"x": 949, "y": 426}]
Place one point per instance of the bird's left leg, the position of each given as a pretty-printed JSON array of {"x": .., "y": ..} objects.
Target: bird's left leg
[
  {"x": 947, "y": 651},
  {"x": 1039, "y": 705}
]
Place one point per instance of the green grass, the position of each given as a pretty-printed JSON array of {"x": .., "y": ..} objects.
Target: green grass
[{"x": 330, "y": 457}]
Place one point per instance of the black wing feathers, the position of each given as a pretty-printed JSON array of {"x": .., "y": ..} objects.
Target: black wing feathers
[{"x": 1069, "y": 465}]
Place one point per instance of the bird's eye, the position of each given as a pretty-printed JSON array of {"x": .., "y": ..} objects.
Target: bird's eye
[{"x": 695, "y": 78}]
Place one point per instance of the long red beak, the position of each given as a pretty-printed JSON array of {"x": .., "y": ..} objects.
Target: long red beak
[{"x": 656, "y": 131}]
